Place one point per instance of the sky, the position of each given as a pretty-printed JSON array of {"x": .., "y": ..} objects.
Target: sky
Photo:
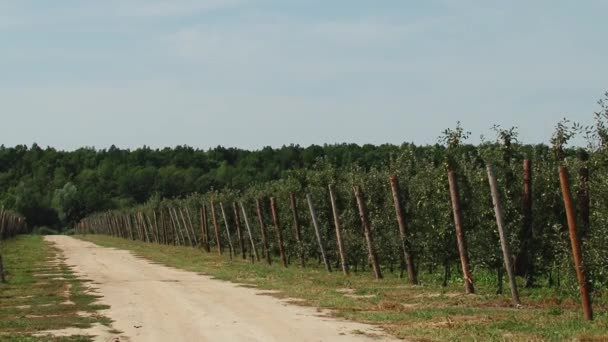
[{"x": 254, "y": 73}]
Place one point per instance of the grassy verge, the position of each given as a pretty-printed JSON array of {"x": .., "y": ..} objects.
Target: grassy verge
[
  {"x": 42, "y": 294},
  {"x": 421, "y": 313}
]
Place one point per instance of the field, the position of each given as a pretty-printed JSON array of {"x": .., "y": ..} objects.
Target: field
[{"x": 420, "y": 313}]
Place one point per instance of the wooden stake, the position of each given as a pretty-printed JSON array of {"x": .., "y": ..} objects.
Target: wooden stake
[
  {"x": 403, "y": 231},
  {"x": 181, "y": 213},
  {"x": 367, "y": 230},
  {"x": 253, "y": 249},
  {"x": 576, "y": 248},
  {"x": 462, "y": 246},
  {"x": 341, "y": 249},
  {"x": 163, "y": 224},
  {"x": 191, "y": 226},
  {"x": 227, "y": 230},
  {"x": 216, "y": 229},
  {"x": 315, "y": 223},
  {"x": 2, "y": 278},
  {"x": 296, "y": 225},
  {"x": 205, "y": 228},
  {"x": 524, "y": 259},
  {"x": 277, "y": 227},
  {"x": 503, "y": 238},
  {"x": 237, "y": 222},
  {"x": 263, "y": 230}
]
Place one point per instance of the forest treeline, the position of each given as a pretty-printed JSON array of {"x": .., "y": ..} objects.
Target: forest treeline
[{"x": 57, "y": 188}]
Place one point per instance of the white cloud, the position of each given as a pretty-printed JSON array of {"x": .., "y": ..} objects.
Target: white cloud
[{"x": 141, "y": 8}]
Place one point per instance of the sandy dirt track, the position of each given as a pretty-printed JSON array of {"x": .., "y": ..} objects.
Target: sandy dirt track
[{"x": 151, "y": 302}]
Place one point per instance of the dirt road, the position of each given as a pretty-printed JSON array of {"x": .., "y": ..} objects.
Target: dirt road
[{"x": 151, "y": 302}]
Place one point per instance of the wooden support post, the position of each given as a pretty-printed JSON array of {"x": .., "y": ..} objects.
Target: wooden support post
[
  {"x": 253, "y": 249},
  {"x": 577, "y": 254},
  {"x": 205, "y": 229},
  {"x": 218, "y": 241},
  {"x": 277, "y": 227},
  {"x": 237, "y": 222},
  {"x": 177, "y": 232},
  {"x": 153, "y": 229},
  {"x": 367, "y": 230},
  {"x": 297, "y": 228},
  {"x": 227, "y": 230},
  {"x": 2, "y": 278},
  {"x": 340, "y": 242},
  {"x": 462, "y": 246},
  {"x": 403, "y": 231},
  {"x": 163, "y": 222},
  {"x": 191, "y": 226},
  {"x": 185, "y": 225},
  {"x": 159, "y": 239},
  {"x": 503, "y": 236},
  {"x": 263, "y": 230},
  {"x": 524, "y": 262},
  {"x": 315, "y": 223}
]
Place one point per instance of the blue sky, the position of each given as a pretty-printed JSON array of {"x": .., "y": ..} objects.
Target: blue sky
[{"x": 250, "y": 73}]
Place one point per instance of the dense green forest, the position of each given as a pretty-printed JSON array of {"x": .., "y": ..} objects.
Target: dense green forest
[{"x": 57, "y": 188}]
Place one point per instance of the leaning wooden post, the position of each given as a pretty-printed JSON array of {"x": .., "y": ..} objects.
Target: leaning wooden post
[
  {"x": 163, "y": 223},
  {"x": 315, "y": 223},
  {"x": 403, "y": 233},
  {"x": 334, "y": 209},
  {"x": 584, "y": 199},
  {"x": 153, "y": 228},
  {"x": 218, "y": 241},
  {"x": 159, "y": 238},
  {"x": 185, "y": 225},
  {"x": 263, "y": 230},
  {"x": 253, "y": 249},
  {"x": 525, "y": 258},
  {"x": 462, "y": 246},
  {"x": 191, "y": 226},
  {"x": 277, "y": 227},
  {"x": 237, "y": 221},
  {"x": 145, "y": 228},
  {"x": 576, "y": 248},
  {"x": 296, "y": 225},
  {"x": 205, "y": 229},
  {"x": 503, "y": 237},
  {"x": 227, "y": 230},
  {"x": 177, "y": 232},
  {"x": 373, "y": 258},
  {"x": 2, "y": 278}
]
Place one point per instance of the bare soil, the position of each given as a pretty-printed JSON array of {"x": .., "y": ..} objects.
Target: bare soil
[{"x": 151, "y": 302}]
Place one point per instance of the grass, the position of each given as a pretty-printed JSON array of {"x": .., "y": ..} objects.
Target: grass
[
  {"x": 420, "y": 313},
  {"x": 42, "y": 293}
]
